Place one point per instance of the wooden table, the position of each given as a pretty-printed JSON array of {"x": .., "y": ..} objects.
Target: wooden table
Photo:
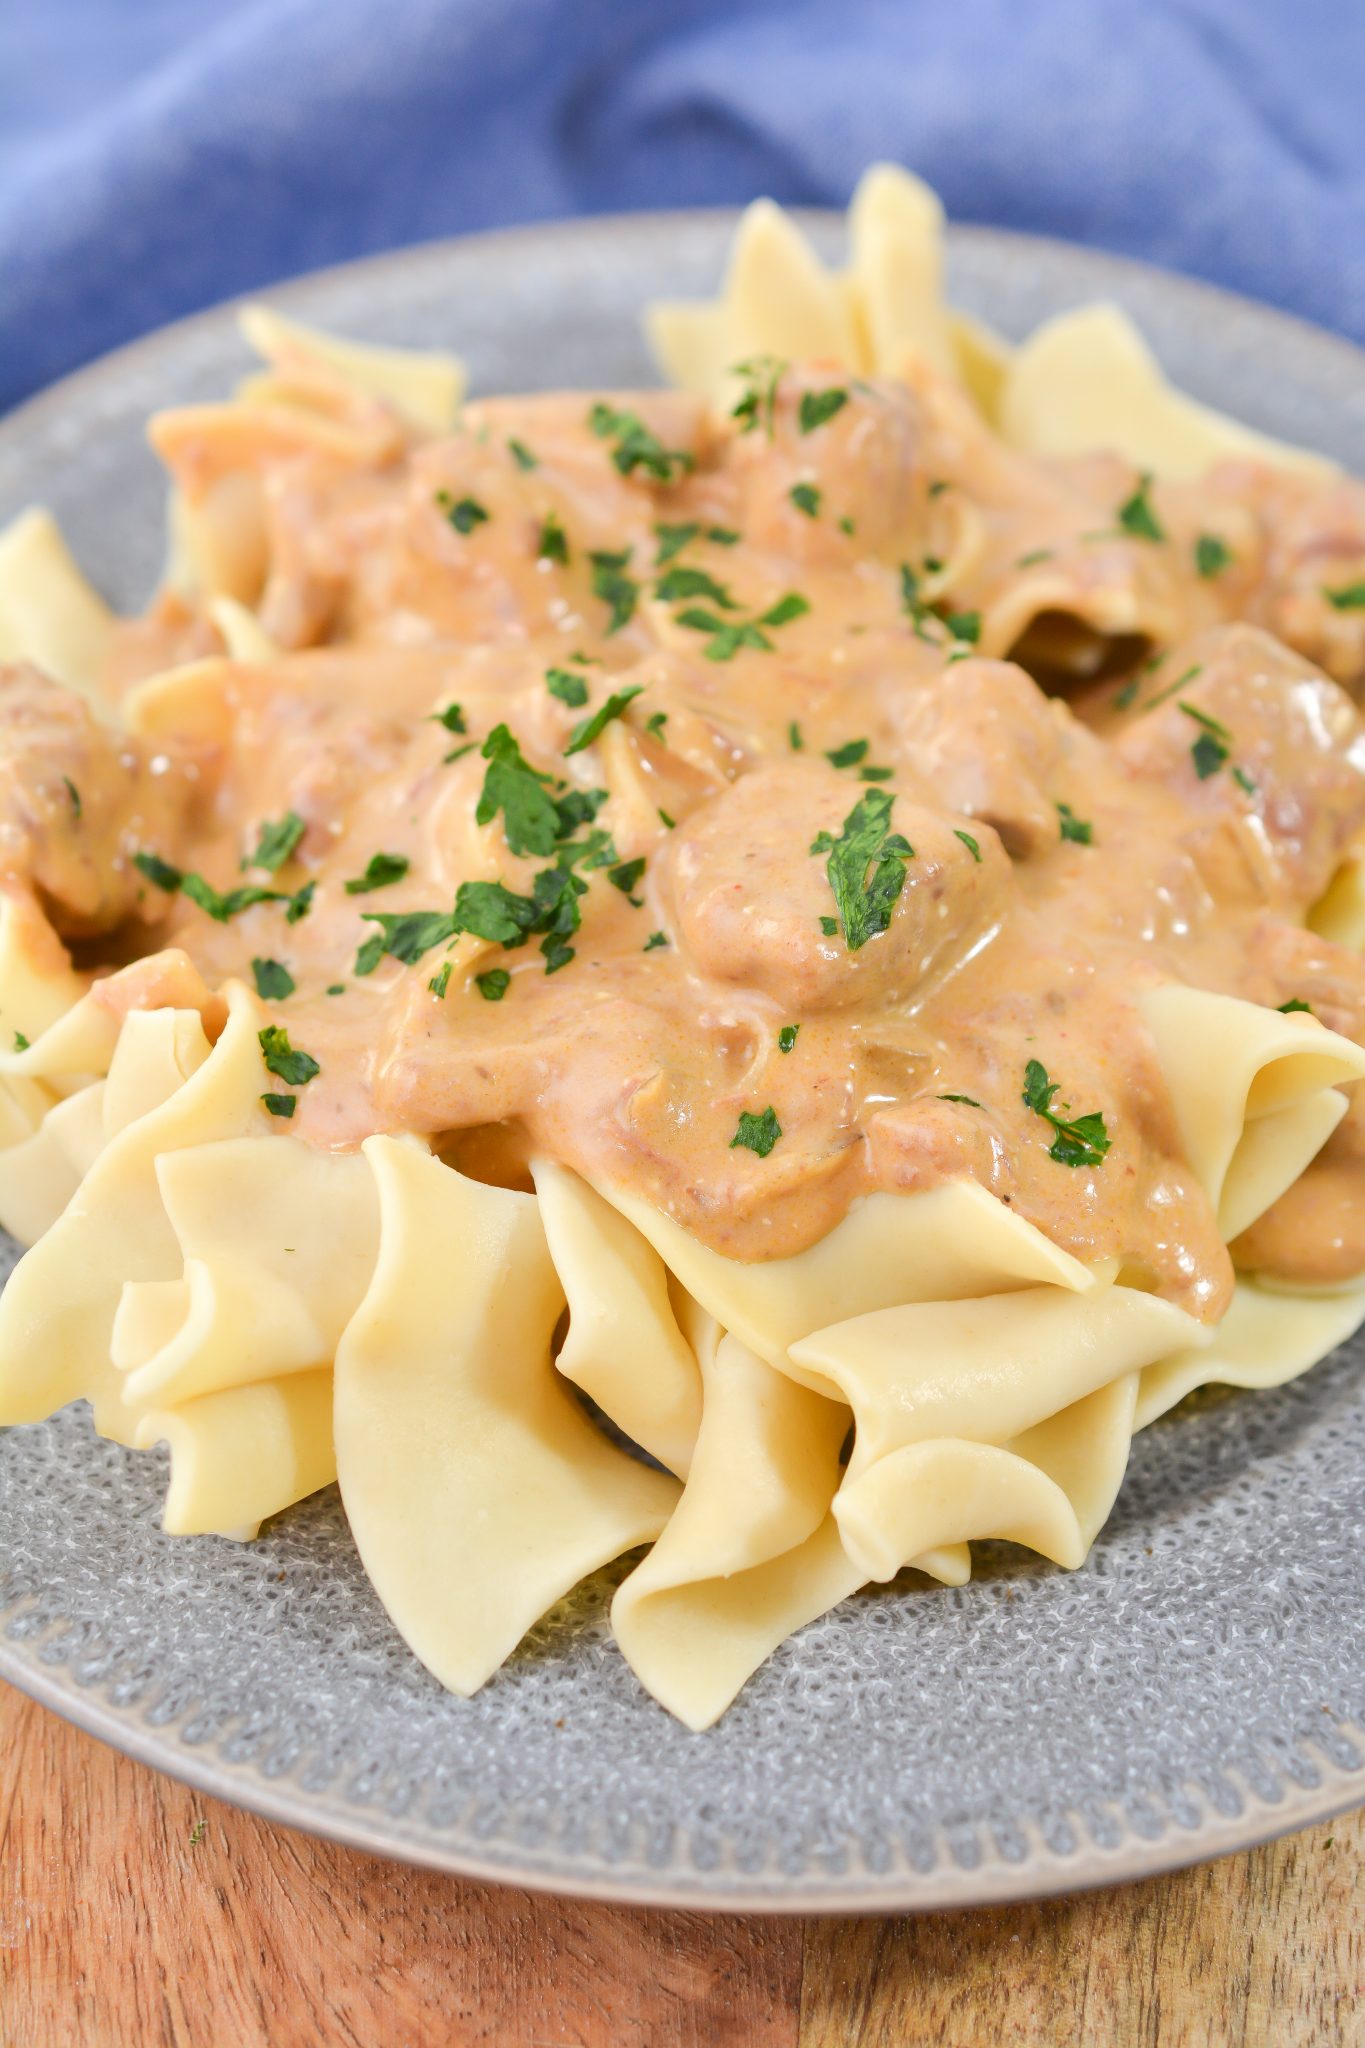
[{"x": 136, "y": 1914}]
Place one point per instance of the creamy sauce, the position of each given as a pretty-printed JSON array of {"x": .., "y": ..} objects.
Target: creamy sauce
[{"x": 1058, "y": 859}]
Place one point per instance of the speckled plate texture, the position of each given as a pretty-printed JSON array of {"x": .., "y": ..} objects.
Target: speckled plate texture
[{"x": 1198, "y": 1686}]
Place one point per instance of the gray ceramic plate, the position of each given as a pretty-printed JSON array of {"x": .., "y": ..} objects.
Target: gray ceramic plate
[{"x": 1199, "y": 1686}]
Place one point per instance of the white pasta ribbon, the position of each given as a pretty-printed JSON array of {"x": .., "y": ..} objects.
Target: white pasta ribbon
[
  {"x": 477, "y": 1491},
  {"x": 243, "y": 1454},
  {"x": 623, "y": 1346},
  {"x": 1254, "y": 1093},
  {"x": 49, "y": 613},
  {"x": 41, "y": 1172},
  {"x": 1339, "y": 913},
  {"x": 1269, "y": 1335},
  {"x": 243, "y": 634},
  {"x": 425, "y": 386}
]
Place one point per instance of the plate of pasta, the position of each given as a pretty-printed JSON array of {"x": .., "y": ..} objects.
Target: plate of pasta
[{"x": 650, "y": 1031}]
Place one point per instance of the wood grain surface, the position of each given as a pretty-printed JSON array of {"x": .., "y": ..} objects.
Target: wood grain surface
[{"x": 136, "y": 1914}]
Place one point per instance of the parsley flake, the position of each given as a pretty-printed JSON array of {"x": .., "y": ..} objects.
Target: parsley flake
[
  {"x": 786, "y": 1037},
  {"x": 1078, "y": 1141},
  {"x": 452, "y": 718},
  {"x": 159, "y": 871},
  {"x": 1347, "y": 597},
  {"x": 273, "y": 980},
  {"x": 619, "y": 592},
  {"x": 278, "y": 1105},
  {"x": 654, "y": 726},
  {"x": 282, "y": 1058},
  {"x": 300, "y": 903},
  {"x": 407, "y": 935},
  {"x": 637, "y": 446},
  {"x": 757, "y": 1133},
  {"x": 970, "y": 1100},
  {"x": 493, "y": 985},
  {"x": 794, "y": 739},
  {"x": 21, "y": 1044},
  {"x": 817, "y": 407},
  {"x": 1296, "y": 1003},
  {"x": 684, "y": 581},
  {"x": 278, "y": 839},
  {"x": 440, "y": 982},
  {"x": 847, "y": 756},
  {"x": 626, "y": 876},
  {"x": 569, "y": 688},
  {"x": 522, "y": 455},
  {"x": 758, "y": 403},
  {"x": 1079, "y": 831},
  {"x": 1136, "y": 516},
  {"x": 654, "y": 941},
  {"x": 967, "y": 840},
  {"x": 866, "y": 869},
  {"x": 553, "y": 545},
  {"x": 74, "y": 795},
  {"x": 1211, "y": 555},
  {"x": 806, "y": 498},
  {"x": 589, "y": 729},
  {"x": 673, "y": 539},
  {"x": 381, "y": 870},
  {"x": 530, "y": 820},
  {"x": 464, "y": 514},
  {"x": 1212, "y": 747}
]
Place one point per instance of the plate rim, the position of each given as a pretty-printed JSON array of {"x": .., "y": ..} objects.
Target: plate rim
[{"x": 1043, "y": 1871}]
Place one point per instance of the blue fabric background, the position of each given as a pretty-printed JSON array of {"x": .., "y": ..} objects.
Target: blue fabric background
[{"x": 156, "y": 155}]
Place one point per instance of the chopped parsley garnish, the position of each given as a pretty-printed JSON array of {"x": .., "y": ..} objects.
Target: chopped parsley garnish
[
  {"x": 569, "y": 688},
  {"x": 494, "y": 912},
  {"x": 757, "y": 1133},
  {"x": 370, "y": 954},
  {"x": 847, "y": 756},
  {"x": 1243, "y": 780},
  {"x": 1347, "y": 597},
  {"x": 758, "y": 402},
  {"x": 818, "y": 406},
  {"x": 74, "y": 795},
  {"x": 282, "y": 1058},
  {"x": 21, "y": 1044},
  {"x": 654, "y": 941},
  {"x": 786, "y": 1037},
  {"x": 553, "y": 545},
  {"x": 464, "y": 514},
  {"x": 964, "y": 626},
  {"x": 866, "y": 868},
  {"x": 673, "y": 539},
  {"x": 589, "y": 729},
  {"x": 1213, "y": 745},
  {"x": 610, "y": 582},
  {"x": 300, "y": 903},
  {"x": 1029, "y": 561},
  {"x": 654, "y": 725},
  {"x": 1136, "y": 516},
  {"x": 829, "y": 926},
  {"x": 939, "y": 486},
  {"x": 806, "y": 498},
  {"x": 626, "y": 877},
  {"x": 273, "y": 980},
  {"x": 493, "y": 985},
  {"x": 1296, "y": 1003},
  {"x": 875, "y": 774},
  {"x": 684, "y": 582},
  {"x": 1186, "y": 676},
  {"x": 970, "y": 1100},
  {"x": 1124, "y": 697},
  {"x": 530, "y": 819},
  {"x": 637, "y": 447},
  {"x": 440, "y": 982},
  {"x": 967, "y": 840},
  {"x": 381, "y": 869},
  {"x": 723, "y": 536},
  {"x": 407, "y": 935},
  {"x": 846, "y": 526},
  {"x": 452, "y": 718},
  {"x": 1079, "y": 831},
  {"x": 278, "y": 1105},
  {"x": 671, "y": 823},
  {"x": 159, "y": 871},
  {"x": 336, "y": 988},
  {"x": 213, "y": 901},
  {"x": 1211, "y": 555},
  {"x": 794, "y": 739},
  {"x": 521, "y": 455},
  {"x": 1079, "y": 1141},
  {"x": 278, "y": 839},
  {"x": 729, "y": 635}
]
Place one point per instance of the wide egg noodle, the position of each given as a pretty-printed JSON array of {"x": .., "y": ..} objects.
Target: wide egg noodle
[
  {"x": 1253, "y": 1090},
  {"x": 243, "y": 635},
  {"x": 623, "y": 1345},
  {"x": 424, "y": 386},
  {"x": 49, "y": 614},
  {"x": 751, "y": 1552},
  {"x": 948, "y": 1242},
  {"x": 57, "y": 1309},
  {"x": 1269, "y": 1335},
  {"x": 477, "y": 1490},
  {"x": 40, "y": 1173},
  {"x": 244, "y": 1454},
  {"x": 279, "y": 1242},
  {"x": 1339, "y": 913}
]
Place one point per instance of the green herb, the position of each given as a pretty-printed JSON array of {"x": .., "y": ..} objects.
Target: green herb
[
  {"x": 806, "y": 498},
  {"x": 277, "y": 842},
  {"x": 829, "y": 926},
  {"x": 964, "y": 626},
  {"x": 626, "y": 876},
  {"x": 491, "y": 911},
  {"x": 1212, "y": 747},
  {"x": 569, "y": 688},
  {"x": 670, "y": 822},
  {"x": 337, "y": 988},
  {"x": 729, "y": 635},
  {"x": 1243, "y": 780},
  {"x": 464, "y": 514},
  {"x": 1211, "y": 555},
  {"x": 1079, "y": 830},
  {"x": 521, "y": 455},
  {"x": 1348, "y": 597},
  {"x": 380, "y": 871},
  {"x": 673, "y": 539},
  {"x": 967, "y": 840},
  {"x": 757, "y": 1133},
  {"x": 74, "y": 795},
  {"x": 1029, "y": 561},
  {"x": 794, "y": 739},
  {"x": 553, "y": 545},
  {"x": 939, "y": 486},
  {"x": 209, "y": 899},
  {"x": 1187, "y": 676},
  {"x": 21, "y": 1044},
  {"x": 300, "y": 903},
  {"x": 511, "y": 785},
  {"x": 589, "y": 729},
  {"x": 1136, "y": 516},
  {"x": 683, "y": 582},
  {"x": 1296, "y": 1003},
  {"x": 370, "y": 954},
  {"x": 654, "y": 725},
  {"x": 159, "y": 871},
  {"x": 408, "y": 934},
  {"x": 452, "y": 718},
  {"x": 846, "y": 526},
  {"x": 931, "y": 565},
  {"x": 970, "y": 1100},
  {"x": 723, "y": 536},
  {"x": 636, "y": 446},
  {"x": 866, "y": 868},
  {"x": 617, "y": 590},
  {"x": 283, "y": 1059},
  {"x": 440, "y": 982},
  {"x": 493, "y": 985},
  {"x": 786, "y": 1037},
  {"x": 1079, "y": 1141},
  {"x": 847, "y": 756},
  {"x": 1124, "y": 697},
  {"x": 654, "y": 941},
  {"x": 875, "y": 774},
  {"x": 273, "y": 980},
  {"x": 818, "y": 406},
  {"x": 758, "y": 403},
  {"x": 197, "y": 1831},
  {"x": 278, "y": 1105}
]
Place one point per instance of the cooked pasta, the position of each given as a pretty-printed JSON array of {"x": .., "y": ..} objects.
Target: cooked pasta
[{"x": 758, "y": 973}]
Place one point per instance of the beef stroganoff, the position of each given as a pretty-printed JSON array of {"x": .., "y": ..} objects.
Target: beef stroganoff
[{"x": 814, "y": 915}]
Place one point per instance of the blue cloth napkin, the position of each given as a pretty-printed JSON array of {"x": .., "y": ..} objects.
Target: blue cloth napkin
[{"x": 157, "y": 155}]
